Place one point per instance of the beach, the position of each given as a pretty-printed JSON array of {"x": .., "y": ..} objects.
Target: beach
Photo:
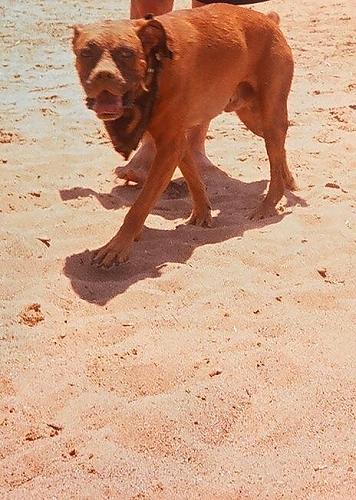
[{"x": 218, "y": 363}]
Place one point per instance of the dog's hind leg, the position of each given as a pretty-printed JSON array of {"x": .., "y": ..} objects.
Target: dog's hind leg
[
  {"x": 274, "y": 116},
  {"x": 265, "y": 114},
  {"x": 252, "y": 118},
  {"x": 274, "y": 140}
]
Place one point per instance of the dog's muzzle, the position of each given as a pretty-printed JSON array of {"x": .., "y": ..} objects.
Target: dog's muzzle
[{"x": 107, "y": 106}]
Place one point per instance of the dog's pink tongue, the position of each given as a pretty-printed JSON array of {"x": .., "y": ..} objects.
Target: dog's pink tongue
[{"x": 107, "y": 103}]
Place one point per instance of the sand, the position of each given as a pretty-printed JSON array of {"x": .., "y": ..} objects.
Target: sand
[{"x": 218, "y": 363}]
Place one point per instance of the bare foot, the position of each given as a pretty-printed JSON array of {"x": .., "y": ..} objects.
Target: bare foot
[
  {"x": 137, "y": 168},
  {"x": 129, "y": 174}
]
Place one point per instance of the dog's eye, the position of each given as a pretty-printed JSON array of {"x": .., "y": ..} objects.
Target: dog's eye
[
  {"x": 87, "y": 52},
  {"x": 124, "y": 54}
]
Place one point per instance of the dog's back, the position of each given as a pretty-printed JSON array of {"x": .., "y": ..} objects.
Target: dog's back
[{"x": 220, "y": 45}]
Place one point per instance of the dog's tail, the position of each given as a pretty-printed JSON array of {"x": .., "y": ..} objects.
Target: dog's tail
[{"x": 274, "y": 17}]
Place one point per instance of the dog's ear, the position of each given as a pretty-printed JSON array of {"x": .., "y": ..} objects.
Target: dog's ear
[
  {"x": 153, "y": 36},
  {"x": 77, "y": 29}
]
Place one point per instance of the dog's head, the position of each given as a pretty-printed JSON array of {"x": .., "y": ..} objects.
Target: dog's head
[{"x": 112, "y": 61}]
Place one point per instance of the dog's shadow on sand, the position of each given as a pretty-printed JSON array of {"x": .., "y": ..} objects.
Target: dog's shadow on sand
[
  {"x": 124, "y": 196},
  {"x": 158, "y": 247}
]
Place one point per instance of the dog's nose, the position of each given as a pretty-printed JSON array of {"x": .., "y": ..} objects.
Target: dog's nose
[
  {"x": 105, "y": 75},
  {"x": 100, "y": 76}
]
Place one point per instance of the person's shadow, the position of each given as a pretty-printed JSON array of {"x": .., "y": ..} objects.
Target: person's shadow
[{"x": 158, "y": 247}]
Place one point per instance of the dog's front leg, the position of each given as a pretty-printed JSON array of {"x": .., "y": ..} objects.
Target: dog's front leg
[
  {"x": 201, "y": 213},
  {"x": 169, "y": 153}
]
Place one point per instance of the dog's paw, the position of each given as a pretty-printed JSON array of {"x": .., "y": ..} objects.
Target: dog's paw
[
  {"x": 263, "y": 211},
  {"x": 291, "y": 184},
  {"x": 114, "y": 252},
  {"x": 202, "y": 218}
]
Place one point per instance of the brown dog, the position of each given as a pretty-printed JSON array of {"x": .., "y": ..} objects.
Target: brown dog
[{"x": 169, "y": 74}]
